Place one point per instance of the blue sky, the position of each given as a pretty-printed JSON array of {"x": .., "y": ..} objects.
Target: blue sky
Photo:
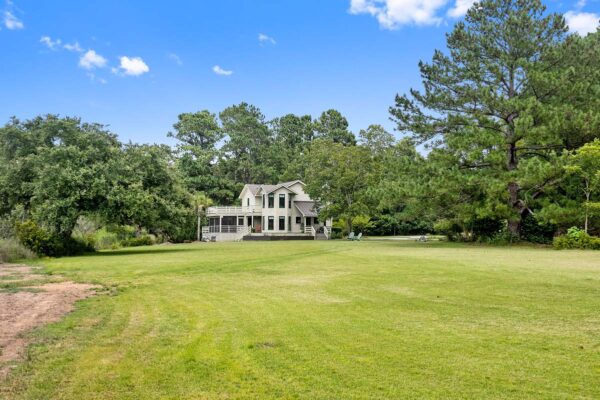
[{"x": 135, "y": 65}]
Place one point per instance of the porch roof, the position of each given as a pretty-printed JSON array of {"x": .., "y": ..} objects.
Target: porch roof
[{"x": 306, "y": 208}]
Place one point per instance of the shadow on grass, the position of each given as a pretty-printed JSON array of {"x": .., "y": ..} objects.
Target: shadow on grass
[{"x": 139, "y": 251}]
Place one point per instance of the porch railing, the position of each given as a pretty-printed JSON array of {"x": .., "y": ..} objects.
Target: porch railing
[
  {"x": 232, "y": 210},
  {"x": 310, "y": 230},
  {"x": 222, "y": 229}
]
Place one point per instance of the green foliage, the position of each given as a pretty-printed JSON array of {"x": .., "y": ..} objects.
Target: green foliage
[
  {"x": 576, "y": 239},
  {"x": 537, "y": 231},
  {"x": 143, "y": 240},
  {"x": 397, "y": 224},
  {"x": 48, "y": 243},
  {"x": 339, "y": 179},
  {"x": 333, "y": 126},
  {"x": 361, "y": 223},
  {"x": 499, "y": 106},
  {"x": 11, "y": 250},
  {"x": 55, "y": 168}
]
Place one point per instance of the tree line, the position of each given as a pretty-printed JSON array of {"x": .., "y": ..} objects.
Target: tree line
[{"x": 501, "y": 142}]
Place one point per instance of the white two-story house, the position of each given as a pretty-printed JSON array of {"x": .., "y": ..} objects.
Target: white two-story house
[{"x": 267, "y": 212}]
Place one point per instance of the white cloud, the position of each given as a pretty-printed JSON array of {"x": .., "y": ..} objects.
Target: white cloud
[
  {"x": 220, "y": 71},
  {"x": 11, "y": 21},
  {"x": 460, "y": 8},
  {"x": 91, "y": 60},
  {"x": 262, "y": 38},
  {"x": 133, "y": 66},
  {"x": 73, "y": 47},
  {"x": 582, "y": 23},
  {"x": 48, "y": 42},
  {"x": 175, "y": 58},
  {"x": 392, "y": 14}
]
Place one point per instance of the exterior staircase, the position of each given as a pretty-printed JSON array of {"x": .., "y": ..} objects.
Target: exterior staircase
[{"x": 320, "y": 236}]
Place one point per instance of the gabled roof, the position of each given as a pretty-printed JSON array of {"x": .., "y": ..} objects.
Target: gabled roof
[
  {"x": 257, "y": 189},
  {"x": 306, "y": 208},
  {"x": 253, "y": 188}
]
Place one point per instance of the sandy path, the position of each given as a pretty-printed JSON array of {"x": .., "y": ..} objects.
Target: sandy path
[{"x": 30, "y": 307}]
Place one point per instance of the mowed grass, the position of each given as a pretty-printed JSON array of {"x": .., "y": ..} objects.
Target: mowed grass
[{"x": 323, "y": 320}]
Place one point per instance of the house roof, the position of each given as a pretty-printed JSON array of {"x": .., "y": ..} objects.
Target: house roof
[
  {"x": 253, "y": 188},
  {"x": 306, "y": 208},
  {"x": 257, "y": 188}
]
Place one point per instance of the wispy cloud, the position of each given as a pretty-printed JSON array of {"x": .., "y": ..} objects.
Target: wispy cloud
[
  {"x": 10, "y": 19},
  {"x": 91, "y": 60},
  {"x": 73, "y": 47},
  {"x": 220, "y": 71},
  {"x": 262, "y": 38},
  {"x": 49, "y": 43},
  {"x": 582, "y": 23},
  {"x": 94, "y": 78},
  {"x": 133, "y": 66},
  {"x": 56, "y": 44},
  {"x": 176, "y": 58}
]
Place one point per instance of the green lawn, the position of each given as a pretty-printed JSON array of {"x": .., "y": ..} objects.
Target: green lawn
[{"x": 323, "y": 320}]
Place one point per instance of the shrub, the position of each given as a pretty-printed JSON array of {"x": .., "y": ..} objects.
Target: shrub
[
  {"x": 104, "y": 239},
  {"x": 535, "y": 231},
  {"x": 144, "y": 240},
  {"x": 449, "y": 228},
  {"x": 42, "y": 242},
  {"x": 11, "y": 250},
  {"x": 576, "y": 239},
  {"x": 502, "y": 238},
  {"x": 336, "y": 234}
]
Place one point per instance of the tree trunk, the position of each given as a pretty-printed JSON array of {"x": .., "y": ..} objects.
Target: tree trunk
[
  {"x": 198, "y": 229},
  {"x": 514, "y": 223},
  {"x": 587, "y": 205}
]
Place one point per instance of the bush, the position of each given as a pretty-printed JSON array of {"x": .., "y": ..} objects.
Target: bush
[
  {"x": 501, "y": 238},
  {"x": 42, "y": 242},
  {"x": 336, "y": 234},
  {"x": 144, "y": 240},
  {"x": 104, "y": 239},
  {"x": 448, "y": 228},
  {"x": 535, "y": 231},
  {"x": 11, "y": 250},
  {"x": 576, "y": 239}
]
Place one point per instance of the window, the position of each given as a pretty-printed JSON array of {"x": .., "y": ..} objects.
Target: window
[
  {"x": 289, "y": 223},
  {"x": 248, "y": 201},
  {"x": 298, "y": 220},
  {"x": 282, "y": 200},
  {"x": 308, "y": 221},
  {"x": 271, "y": 223},
  {"x": 282, "y": 222},
  {"x": 271, "y": 200},
  {"x": 263, "y": 201},
  {"x": 240, "y": 221},
  {"x": 290, "y": 201}
]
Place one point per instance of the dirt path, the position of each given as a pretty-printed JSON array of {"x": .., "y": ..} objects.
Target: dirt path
[{"x": 31, "y": 301}]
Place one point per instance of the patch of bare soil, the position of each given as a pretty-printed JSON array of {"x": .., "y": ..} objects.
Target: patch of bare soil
[{"x": 28, "y": 307}]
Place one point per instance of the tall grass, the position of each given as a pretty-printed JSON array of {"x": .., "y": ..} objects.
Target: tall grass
[{"x": 11, "y": 250}]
